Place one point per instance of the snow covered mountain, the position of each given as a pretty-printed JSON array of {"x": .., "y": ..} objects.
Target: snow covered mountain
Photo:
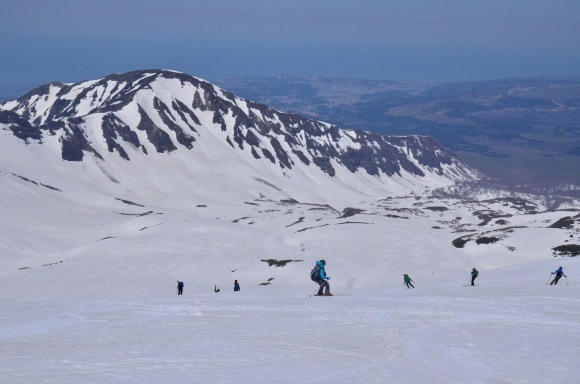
[
  {"x": 112, "y": 190},
  {"x": 158, "y": 113}
]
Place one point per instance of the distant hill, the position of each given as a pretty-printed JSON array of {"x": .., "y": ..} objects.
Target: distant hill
[{"x": 524, "y": 132}]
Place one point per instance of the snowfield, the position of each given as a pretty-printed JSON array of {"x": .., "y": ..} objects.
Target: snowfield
[
  {"x": 511, "y": 328},
  {"x": 88, "y": 290}
]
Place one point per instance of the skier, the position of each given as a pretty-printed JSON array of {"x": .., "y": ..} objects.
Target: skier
[
  {"x": 559, "y": 273},
  {"x": 216, "y": 289},
  {"x": 322, "y": 279},
  {"x": 179, "y": 287},
  {"x": 474, "y": 274},
  {"x": 407, "y": 281},
  {"x": 236, "y": 286}
]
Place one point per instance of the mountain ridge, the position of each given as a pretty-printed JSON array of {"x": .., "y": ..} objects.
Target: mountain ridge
[{"x": 161, "y": 111}]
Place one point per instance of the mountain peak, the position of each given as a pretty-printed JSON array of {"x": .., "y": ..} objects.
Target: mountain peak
[{"x": 143, "y": 112}]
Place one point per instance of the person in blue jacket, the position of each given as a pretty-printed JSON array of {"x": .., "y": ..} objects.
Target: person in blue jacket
[
  {"x": 179, "y": 287},
  {"x": 322, "y": 279},
  {"x": 236, "y": 286},
  {"x": 559, "y": 273}
]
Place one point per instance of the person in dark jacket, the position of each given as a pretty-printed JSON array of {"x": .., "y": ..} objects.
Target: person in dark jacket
[
  {"x": 322, "y": 279},
  {"x": 559, "y": 273},
  {"x": 407, "y": 281},
  {"x": 179, "y": 287},
  {"x": 236, "y": 286},
  {"x": 474, "y": 274}
]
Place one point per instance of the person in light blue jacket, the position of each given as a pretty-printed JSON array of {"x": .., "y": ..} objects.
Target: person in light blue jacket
[{"x": 323, "y": 279}]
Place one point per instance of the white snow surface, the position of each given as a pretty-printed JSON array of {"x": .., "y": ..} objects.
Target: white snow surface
[{"x": 91, "y": 252}]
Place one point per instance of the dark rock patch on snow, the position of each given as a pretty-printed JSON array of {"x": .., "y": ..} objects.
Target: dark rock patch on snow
[
  {"x": 129, "y": 202},
  {"x": 348, "y": 212},
  {"x": 300, "y": 220},
  {"x": 279, "y": 263},
  {"x": 437, "y": 209},
  {"x": 307, "y": 228},
  {"x": 487, "y": 240},
  {"x": 564, "y": 223},
  {"x": 567, "y": 250},
  {"x": 36, "y": 183}
]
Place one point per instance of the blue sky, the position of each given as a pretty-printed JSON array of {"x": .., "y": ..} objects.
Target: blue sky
[{"x": 441, "y": 40}]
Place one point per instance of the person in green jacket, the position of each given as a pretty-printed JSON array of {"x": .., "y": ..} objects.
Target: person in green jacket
[
  {"x": 474, "y": 274},
  {"x": 407, "y": 281}
]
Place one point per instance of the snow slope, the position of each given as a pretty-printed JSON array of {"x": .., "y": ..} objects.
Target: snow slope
[{"x": 87, "y": 289}]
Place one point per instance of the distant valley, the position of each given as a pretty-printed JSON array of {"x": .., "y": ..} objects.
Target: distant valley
[{"x": 523, "y": 133}]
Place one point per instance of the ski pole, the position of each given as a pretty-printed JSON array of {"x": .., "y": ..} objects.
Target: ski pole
[
  {"x": 549, "y": 279},
  {"x": 320, "y": 286},
  {"x": 566, "y": 280}
]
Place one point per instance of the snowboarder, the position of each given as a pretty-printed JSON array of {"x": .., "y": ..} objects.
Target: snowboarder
[
  {"x": 474, "y": 274},
  {"x": 236, "y": 286},
  {"x": 322, "y": 279},
  {"x": 559, "y": 273},
  {"x": 179, "y": 287},
  {"x": 407, "y": 281}
]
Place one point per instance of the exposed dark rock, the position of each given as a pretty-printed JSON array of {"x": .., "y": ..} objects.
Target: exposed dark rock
[
  {"x": 567, "y": 250},
  {"x": 129, "y": 202},
  {"x": 289, "y": 202},
  {"x": 461, "y": 241},
  {"x": 269, "y": 282},
  {"x": 306, "y": 229},
  {"x": 324, "y": 164},
  {"x": 487, "y": 240},
  {"x": 159, "y": 138},
  {"x": 348, "y": 212},
  {"x": 520, "y": 204},
  {"x": 165, "y": 114},
  {"x": 20, "y": 127},
  {"x": 279, "y": 263},
  {"x": 488, "y": 215},
  {"x": 300, "y": 220},
  {"x": 437, "y": 209},
  {"x": 74, "y": 142},
  {"x": 565, "y": 223},
  {"x": 114, "y": 127}
]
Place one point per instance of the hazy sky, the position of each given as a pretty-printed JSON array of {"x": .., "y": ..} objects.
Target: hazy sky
[{"x": 73, "y": 40}]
